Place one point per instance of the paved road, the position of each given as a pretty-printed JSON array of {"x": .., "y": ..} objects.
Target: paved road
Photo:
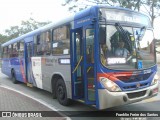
[{"x": 46, "y": 97}]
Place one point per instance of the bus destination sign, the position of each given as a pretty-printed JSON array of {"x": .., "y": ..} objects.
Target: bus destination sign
[{"x": 125, "y": 16}]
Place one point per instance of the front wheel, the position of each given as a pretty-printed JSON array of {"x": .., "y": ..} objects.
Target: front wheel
[{"x": 61, "y": 93}]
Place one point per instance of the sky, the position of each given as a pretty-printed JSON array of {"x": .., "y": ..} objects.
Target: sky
[
  {"x": 12, "y": 12},
  {"x": 157, "y": 28}
]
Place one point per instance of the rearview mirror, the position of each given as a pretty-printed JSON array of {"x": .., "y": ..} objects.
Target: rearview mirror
[{"x": 139, "y": 33}]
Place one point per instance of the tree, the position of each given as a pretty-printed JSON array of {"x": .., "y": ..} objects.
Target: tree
[
  {"x": 31, "y": 25},
  {"x": 13, "y": 32},
  {"x": 3, "y": 38},
  {"x": 131, "y": 4},
  {"x": 77, "y": 5},
  {"x": 150, "y": 7},
  {"x": 25, "y": 27}
]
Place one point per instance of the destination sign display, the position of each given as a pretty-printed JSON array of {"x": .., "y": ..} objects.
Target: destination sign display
[{"x": 125, "y": 16}]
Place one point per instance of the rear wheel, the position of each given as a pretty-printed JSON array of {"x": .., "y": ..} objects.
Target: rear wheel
[
  {"x": 14, "y": 77},
  {"x": 61, "y": 93}
]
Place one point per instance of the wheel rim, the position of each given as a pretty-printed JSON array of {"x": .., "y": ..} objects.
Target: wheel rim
[{"x": 61, "y": 92}]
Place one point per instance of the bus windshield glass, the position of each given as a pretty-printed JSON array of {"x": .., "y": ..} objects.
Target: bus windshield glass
[{"x": 125, "y": 48}]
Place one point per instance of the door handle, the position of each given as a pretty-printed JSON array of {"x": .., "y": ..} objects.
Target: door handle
[
  {"x": 77, "y": 64},
  {"x": 89, "y": 69}
]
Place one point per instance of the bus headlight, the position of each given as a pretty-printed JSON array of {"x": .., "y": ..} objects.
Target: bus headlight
[
  {"x": 155, "y": 79},
  {"x": 110, "y": 85}
]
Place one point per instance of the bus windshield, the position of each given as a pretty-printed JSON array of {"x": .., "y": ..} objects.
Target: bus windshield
[{"x": 126, "y": 47}]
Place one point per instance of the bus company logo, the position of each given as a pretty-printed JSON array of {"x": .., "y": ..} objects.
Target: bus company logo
[{"x": 138, "y": 85}]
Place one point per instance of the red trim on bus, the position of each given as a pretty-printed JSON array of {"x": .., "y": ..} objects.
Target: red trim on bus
[
  {"x": 113, "y": 75},
  {"x": 22, "y": 72}
]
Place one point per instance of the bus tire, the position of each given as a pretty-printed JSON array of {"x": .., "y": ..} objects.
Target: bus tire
[
  {"x": 54, "y": 88},
  {"x": 54, "y": 95},
  {"x": 14, "y": 77},
  {"x": 61, "y": 92}
]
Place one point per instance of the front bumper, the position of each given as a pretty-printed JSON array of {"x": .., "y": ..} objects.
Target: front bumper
[{"x": 109, "y": 99}]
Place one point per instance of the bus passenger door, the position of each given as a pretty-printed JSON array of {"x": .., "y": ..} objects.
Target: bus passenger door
[
  {"x": 82, "y": 64},
  {"x": 29, "y": 54},
  {"x": 89, "y": 70},
  {"x": 76, "y": 64}
]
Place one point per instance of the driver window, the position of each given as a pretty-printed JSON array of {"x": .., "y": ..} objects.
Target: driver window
[{"x": 44, "y": 43}]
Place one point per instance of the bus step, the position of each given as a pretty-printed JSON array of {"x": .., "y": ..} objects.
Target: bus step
[
  {"x": 94, "y": 106},
  {"x": 80, "y": 100},
  {"x": 29, "y": 85}
]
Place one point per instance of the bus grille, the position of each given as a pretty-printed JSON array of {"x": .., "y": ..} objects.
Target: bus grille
[
  {"x": 136, "y": 94},
  {"x": 135, "y": 87},
  {"x": 134, "y": 78}
]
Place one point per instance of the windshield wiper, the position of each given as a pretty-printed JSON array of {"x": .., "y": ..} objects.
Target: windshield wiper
[{"x": 124, "y": 34}]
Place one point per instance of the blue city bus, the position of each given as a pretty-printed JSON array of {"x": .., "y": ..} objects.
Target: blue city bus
[{"x": 102, "y": 56}]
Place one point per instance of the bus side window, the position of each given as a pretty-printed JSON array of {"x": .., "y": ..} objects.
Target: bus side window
[
  {"x": 38, "y": 46},
  {"x": 5, "y": 52},
  {"x": 2, "y": 54},
  {"x": 21, "y": 49},
  {"x": 61, "y": 40},
  {"x": 47, "y": 43},
  {"x": 9, "y": 52},
  {"x": 15, "y": 50},
  {"x": 43, "y": 43},
  {"x": 35, "y": 45}
]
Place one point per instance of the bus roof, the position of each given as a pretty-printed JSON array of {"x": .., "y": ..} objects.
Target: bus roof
[{"x": 81, "y": 14}]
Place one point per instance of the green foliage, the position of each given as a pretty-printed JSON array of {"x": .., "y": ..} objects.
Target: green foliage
[
  {"x": 3, "y": 38},
  {"x": 25, "y": 27}
]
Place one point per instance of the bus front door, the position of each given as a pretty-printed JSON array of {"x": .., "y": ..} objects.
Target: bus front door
[{"x": 82, "y": 64}]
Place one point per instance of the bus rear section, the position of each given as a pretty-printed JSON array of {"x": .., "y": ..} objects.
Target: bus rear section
[{"x": 13, "y": 61}]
